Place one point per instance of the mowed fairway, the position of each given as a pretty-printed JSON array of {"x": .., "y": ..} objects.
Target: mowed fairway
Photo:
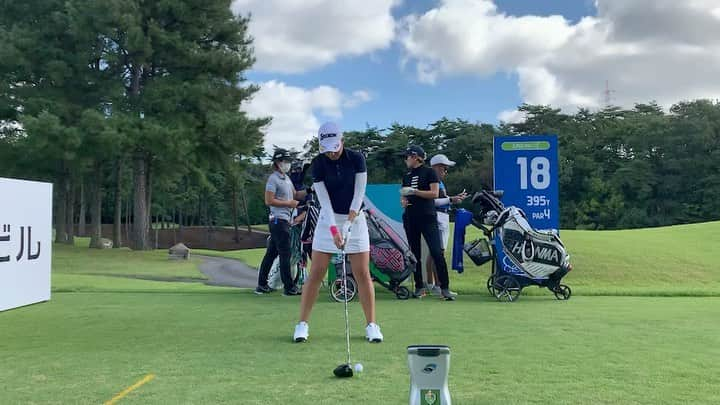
[
  {"x": 657, "y": 340},
  {"x": 671, "y": 261}
]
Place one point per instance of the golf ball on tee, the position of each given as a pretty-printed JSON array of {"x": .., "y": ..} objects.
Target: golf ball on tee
[{"x": 358, "y": 367}]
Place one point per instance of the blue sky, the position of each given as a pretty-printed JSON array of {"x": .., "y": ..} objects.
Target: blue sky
[
  {"x": 416, "y": 61},
  {"x": 397, "y": 94}
]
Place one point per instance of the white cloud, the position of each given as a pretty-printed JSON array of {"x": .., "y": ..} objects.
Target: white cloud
[
  {"x": 297, "y": 111},
  {"x": 662, "y": 50},
  {"x": 511, "y": 116},
  {"x": 293, "y": 36},
  {"x": 358, "y": 97},
  {"x": 472, "y": 36}
]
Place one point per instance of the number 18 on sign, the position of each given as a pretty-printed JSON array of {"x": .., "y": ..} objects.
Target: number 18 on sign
[{"x": 526, "y": 169}]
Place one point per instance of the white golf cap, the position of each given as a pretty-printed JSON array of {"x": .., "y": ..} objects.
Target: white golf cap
[
  {"x": 329, "y": 137},
  {"x": 441, "y": 160}
]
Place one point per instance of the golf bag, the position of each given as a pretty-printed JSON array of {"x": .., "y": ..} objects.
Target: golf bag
[
  {"x": 301, "y": 237},
  {"x": 388, "y": 251},
  {"x": 521, "y": 254},
  {"x": 308, "y": 227},
  {"x": 391, "y": 261},
  {"x": 539, "y": 254}
]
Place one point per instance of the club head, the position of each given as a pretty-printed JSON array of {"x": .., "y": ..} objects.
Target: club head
[{"x": 343, "y": 371}]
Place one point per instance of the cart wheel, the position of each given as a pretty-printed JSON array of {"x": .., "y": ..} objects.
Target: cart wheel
[
  {"x": 491, "y": 284},
  {"x": 402, "y": 293},
  {"x": 563, "y": 292},
  {"x": 507, "y": 289},
  {"x": 340, "y": 294}
]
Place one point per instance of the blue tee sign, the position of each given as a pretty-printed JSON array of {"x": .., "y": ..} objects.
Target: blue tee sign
[{"x": 526, "y": 168}]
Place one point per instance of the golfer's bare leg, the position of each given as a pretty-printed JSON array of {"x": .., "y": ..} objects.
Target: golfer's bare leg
[
  {"x": 361, "y": 272},
  {"x": 318, "y": 269}
]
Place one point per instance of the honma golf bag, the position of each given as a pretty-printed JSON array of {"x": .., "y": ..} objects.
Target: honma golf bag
[
  {"x": 521, "y": 255},
  {"x": 539, "y": 254}
]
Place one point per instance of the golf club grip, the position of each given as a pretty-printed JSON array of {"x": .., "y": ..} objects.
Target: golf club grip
[{"x": 346, "y": 235}]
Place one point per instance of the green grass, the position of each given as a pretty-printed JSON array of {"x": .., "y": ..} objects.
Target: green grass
[
  {"x": 77, "y": 269},
  {"x": 103, "y": 331},
  {"x": 235, "y": 348},
  {"x": 671, "y": 261}
]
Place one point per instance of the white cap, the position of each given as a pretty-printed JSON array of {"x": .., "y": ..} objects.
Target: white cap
[
  {"x": 441, "y": 160},
  {"x": 330, "y": 137}
]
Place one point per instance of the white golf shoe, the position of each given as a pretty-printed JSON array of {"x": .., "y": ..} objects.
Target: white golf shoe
[
  {"x": 373, "y": 334},
  {"x": 301, "y": 332}
]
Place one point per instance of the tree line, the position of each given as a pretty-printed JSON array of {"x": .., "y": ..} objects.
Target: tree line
[
  {"x": 132, "y": 110},
  {"x": 619, "y": 168}
]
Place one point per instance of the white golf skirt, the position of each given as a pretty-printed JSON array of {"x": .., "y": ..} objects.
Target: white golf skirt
[{"x": 359, "y": 238}]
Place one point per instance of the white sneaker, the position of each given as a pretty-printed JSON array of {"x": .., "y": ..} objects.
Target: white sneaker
[
  {"x": 301, "y": 332},
  {"x": 373, "y": 334}
]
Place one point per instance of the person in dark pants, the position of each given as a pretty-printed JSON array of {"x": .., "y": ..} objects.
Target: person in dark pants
[
  {"x": 281, "y": 197},
  {"x": 440, "y": 164},
  {"x": 339, "y": 180},
  {"x": 420, "y": 188}
]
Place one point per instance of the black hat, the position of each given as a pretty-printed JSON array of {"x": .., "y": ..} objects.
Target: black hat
[
  {"x": 281, "y": 154},
  {"x": 414, "y": 150}
]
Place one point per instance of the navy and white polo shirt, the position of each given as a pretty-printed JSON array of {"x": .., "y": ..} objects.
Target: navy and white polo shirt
[
  {"x": 339, "y": 177},
  {"x": 420, "y": 178}
]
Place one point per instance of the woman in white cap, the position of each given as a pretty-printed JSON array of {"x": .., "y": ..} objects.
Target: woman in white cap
[
  {"x": 339, "y": 180},
  {"x": 440, "y": 163}
]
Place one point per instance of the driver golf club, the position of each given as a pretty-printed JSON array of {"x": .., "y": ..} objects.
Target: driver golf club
[{"x": 345, "y": 370}]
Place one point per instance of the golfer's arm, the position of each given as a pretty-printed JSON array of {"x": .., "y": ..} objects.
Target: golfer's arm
[
  {"x": 359, "y": 191},
  {"x": 325, "y": 203},
  {"x": 271, "y": 201}
]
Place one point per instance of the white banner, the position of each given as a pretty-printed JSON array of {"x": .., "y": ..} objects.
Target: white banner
[{"x": 25, "y": 242}]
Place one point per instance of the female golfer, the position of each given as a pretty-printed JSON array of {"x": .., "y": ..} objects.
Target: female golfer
[
  {"x": 421, "y": 186},
  {"x": 339, "y": 180}
]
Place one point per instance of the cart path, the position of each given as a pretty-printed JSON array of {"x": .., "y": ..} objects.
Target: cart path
[{"x": 228, "y": 272}]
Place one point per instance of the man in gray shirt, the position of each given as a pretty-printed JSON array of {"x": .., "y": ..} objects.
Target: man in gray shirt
[{"x": 281, "y": 197}]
